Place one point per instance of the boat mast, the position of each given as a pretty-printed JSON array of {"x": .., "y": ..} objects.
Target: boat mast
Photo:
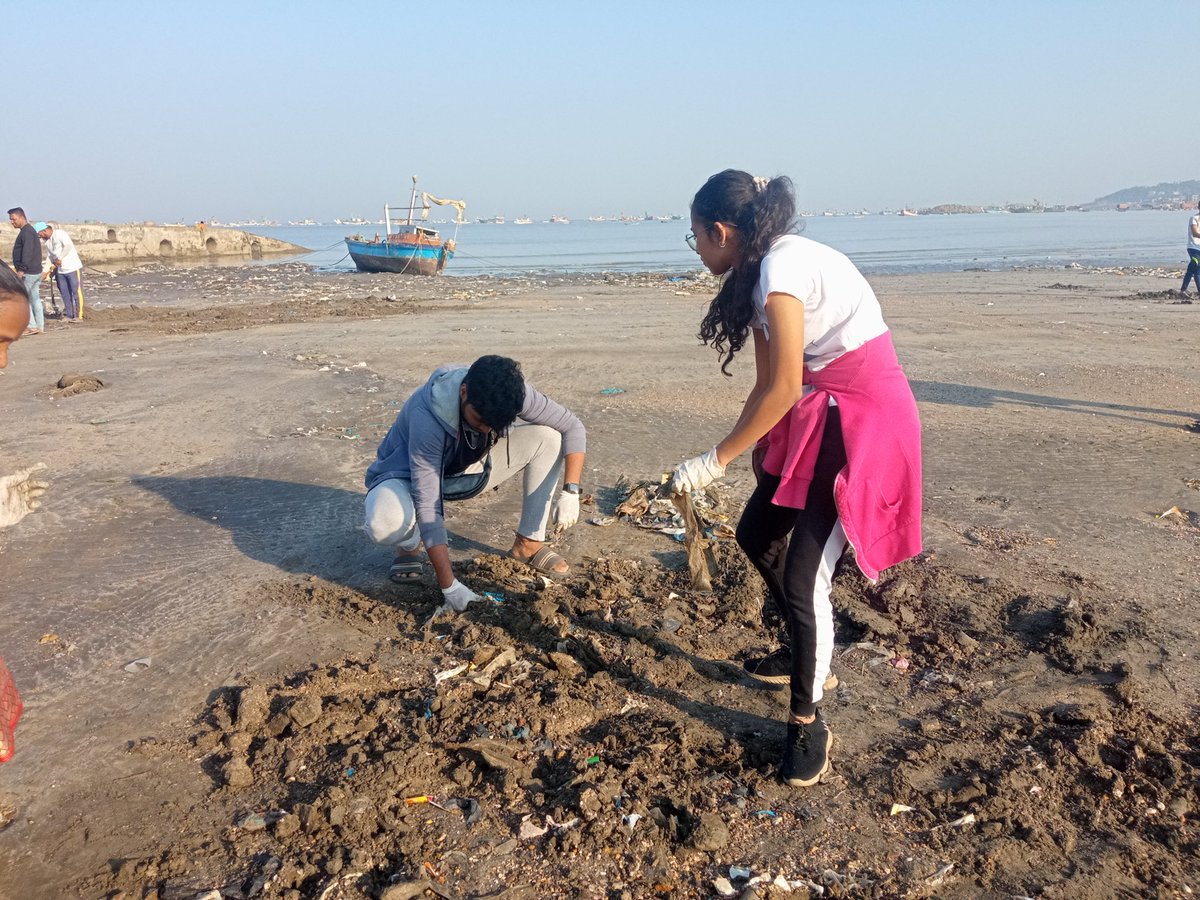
[{"x": 412, "y": 202}]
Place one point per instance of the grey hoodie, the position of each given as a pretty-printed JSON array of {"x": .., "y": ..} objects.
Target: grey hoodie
[{"x": 425, "y": 436}]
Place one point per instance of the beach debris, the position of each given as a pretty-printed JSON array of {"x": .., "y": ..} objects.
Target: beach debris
[
  {"x": 417, "y": 800},
  {"x": 50, "y": 638},
  {"x": 495, "y": 597},
  {"x": 739, "y": 873},
  {"x": 138, "y": 665},
  {"x": 529, "y": 830},
  {"x": 899, "y": 663},
  {"x": 602, "y": 521},
  {"x": 723, "y": 886},
  {"x": 702, "y": 564},
  {"x": 647, "y": 506},
  {"x": 898, "y": 808},
  {"x": 609, "y": 391},
  {"x": 447, "y": 674},
  {"x": 940, "y": 875},
  {"x": 631, "y": 820},
  {"x": 471, "y": 809},
  {"x": 963, "y": 821}
]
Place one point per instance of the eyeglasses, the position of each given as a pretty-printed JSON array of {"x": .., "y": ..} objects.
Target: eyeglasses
[{"x": 690, "y": 237}]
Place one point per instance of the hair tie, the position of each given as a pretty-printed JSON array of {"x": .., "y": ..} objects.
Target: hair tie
[{"x": 760, "y": 184}]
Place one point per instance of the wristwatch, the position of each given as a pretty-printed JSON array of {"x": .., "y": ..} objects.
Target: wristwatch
[{"x": 572, "y": 488}]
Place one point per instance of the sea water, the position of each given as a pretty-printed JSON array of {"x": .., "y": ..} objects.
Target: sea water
[{"x": 878, "y": 244}]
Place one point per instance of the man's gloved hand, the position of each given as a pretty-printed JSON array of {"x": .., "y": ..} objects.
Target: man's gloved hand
[
  {"x": 566, "y": 510},
  {"x": 458, "y": 596},
  {"x": 696, "y": 473},
  {"x": 19, "y": 494}
]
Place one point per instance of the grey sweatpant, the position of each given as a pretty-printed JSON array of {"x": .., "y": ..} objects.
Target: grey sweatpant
[{"x": 533, "y": 450}]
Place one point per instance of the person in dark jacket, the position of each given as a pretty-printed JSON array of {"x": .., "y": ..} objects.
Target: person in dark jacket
[
  {"x": 474, "y": 428},
  {"x": 27, "y": 260}
]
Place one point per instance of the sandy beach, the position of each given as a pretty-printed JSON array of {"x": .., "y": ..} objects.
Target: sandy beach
[{"x": 1025, "y": 692}]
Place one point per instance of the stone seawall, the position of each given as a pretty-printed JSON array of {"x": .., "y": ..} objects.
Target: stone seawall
[{"x": 100, "y": 243}]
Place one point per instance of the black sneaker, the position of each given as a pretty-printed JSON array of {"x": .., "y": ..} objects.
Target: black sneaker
[
  {"x": 776, "y": 668},
  {"x": 806, "y": 756}
]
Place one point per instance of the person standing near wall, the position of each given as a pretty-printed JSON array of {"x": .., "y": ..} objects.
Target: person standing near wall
[
  {"x": 65, "y": 266},
  {"x": 27, "y": 261}
]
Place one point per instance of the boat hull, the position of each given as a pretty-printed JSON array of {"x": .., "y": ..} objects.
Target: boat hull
[{"x": 402, "y": 258}]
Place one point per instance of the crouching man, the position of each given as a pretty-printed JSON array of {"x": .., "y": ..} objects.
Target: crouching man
[{"x": 466, "y": 430}]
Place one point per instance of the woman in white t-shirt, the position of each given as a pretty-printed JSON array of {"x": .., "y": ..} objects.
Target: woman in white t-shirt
[{"x": 832, "y": 420}]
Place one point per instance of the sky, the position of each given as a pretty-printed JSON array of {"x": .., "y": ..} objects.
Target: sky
[{"x": 141, "y": 110}]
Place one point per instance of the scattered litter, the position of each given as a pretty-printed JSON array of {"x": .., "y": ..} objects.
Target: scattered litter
[
  {"x": 1173, "y": 511},
  {"x": 138, "y": 665},
  {"x": 495, "y": 597},
  {"x": 968, "y": 819},
  {"x": 602, "y": 521},
  {"x": 471, "y": 809},
  {"x": 940, "y": 875},
  {"x": 592, "y": 760},
  {"x": 766, "y": 814},
  {"x": 899, "y": 663},
  {"x": 898, "y": 808},
  {"x": 529, "y": 830},
  {"x": 49, "y": 638},
  {"x": 739, "y": 873},
  {"x": 723, "y": 887},
  {"x": 414, "y": 801},
  {"x": 450, "y": 673},
  {"x": 631, "y": 820},
  {"x": 612, "y": 390}
]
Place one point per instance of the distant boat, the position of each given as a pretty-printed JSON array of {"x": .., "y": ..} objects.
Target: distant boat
[
  {"x": 523, "y": 220},
  {"x": 907, "y": 212},
  {"x": 407, "y": 247},
  {"x": 560, "y": 220}
]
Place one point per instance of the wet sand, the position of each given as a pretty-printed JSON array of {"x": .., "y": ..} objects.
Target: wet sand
[{"x": 204, "y": 513}]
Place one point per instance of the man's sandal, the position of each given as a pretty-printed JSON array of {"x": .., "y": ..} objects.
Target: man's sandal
[
  {"x": 405, "y": 569},
  {"x": 543, "y": 562}
]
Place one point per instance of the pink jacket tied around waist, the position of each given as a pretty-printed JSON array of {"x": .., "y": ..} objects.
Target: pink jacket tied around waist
[{"x": 878, "y": 493}]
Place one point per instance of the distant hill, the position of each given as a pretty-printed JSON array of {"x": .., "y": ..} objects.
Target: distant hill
[{"x": 1168, "y": 195}]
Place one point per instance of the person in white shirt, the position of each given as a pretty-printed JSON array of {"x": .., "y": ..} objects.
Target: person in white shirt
[
  {"x": 66, "y": 267},
  {"x": 1193, "y": 249}
]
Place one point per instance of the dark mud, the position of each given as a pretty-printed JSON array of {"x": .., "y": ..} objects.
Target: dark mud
[{"x": 597, "y": 739}]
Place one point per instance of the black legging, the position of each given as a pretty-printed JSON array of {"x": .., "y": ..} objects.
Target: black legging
[{"x": 798, "y": 571}]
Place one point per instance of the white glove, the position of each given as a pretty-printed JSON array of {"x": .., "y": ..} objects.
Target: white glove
[
  {"x": 696, "y": 473},
  {"x": 566, "y": 510},
  {"x": 19, "y": 495},
  {"x": 458, "y": 596}
]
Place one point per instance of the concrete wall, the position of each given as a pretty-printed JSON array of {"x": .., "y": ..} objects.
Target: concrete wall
[{"x": 100, "y": 243}]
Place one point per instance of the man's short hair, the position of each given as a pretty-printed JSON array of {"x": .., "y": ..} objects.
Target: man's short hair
[
  {"x": 496, "y": 388},
  {"x": 18, "y": 211},
  {"x": 12, "y": 287}
]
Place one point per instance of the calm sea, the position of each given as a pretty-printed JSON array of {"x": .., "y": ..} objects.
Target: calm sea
[{"x": 877, "y": 244}]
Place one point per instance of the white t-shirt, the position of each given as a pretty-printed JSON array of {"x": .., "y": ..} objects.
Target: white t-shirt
[
  {"x": 841, "y": 312},
  {"x": 1193, "y": 227},
  {"x": 61, "y": 249}
]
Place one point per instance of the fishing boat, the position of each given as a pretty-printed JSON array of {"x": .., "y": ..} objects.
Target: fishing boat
[{"x": 406, "y": 246}]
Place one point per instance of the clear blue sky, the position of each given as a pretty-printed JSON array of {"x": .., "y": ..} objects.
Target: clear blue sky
[{"x": 181, "y": 111}]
